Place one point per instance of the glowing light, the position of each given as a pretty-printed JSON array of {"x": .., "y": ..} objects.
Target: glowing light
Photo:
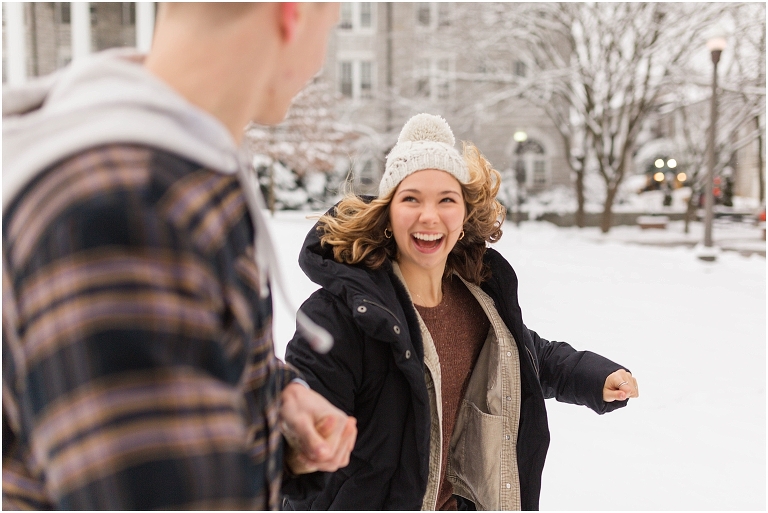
[
  {"x": 659, "y": 163},
  {"x": 671, "y": 163},
  {"x": 520, "y": 136},
  {"x": 681, "y": 177},
  {"x": 659, "y": 177},
  {"x": 717, "y": 43}
]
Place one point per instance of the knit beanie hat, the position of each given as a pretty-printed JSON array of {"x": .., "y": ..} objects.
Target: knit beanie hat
[{"x": 425, "y": 142}]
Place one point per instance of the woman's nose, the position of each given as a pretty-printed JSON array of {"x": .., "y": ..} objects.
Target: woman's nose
[{"x": 428, "y": 214}]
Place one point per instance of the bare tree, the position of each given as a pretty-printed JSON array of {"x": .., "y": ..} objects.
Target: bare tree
[
  {"x": 602, "y": 73},
  {"x": 745, "y": 78},
  {"x": 741, "y": 103},
  {"x": 598, "y": 72},
  {"x": 311, "y": 139}
]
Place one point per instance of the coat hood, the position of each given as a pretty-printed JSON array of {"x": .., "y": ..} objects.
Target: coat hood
[
  {"x": 358, "y": 286},
  {"x": 351, "y": 282},
  {"x": 110, "y": 97}
]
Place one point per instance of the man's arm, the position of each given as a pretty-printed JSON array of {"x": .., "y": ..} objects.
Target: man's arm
[{"x": 129, "y": 377}]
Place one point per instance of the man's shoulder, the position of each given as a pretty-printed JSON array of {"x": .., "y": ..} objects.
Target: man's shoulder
[
  {"x": 116, "y": 183},
  {"x": 97, "y": 172}
]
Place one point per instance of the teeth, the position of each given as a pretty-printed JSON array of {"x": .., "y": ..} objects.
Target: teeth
[{"x": 428, "y": 236}]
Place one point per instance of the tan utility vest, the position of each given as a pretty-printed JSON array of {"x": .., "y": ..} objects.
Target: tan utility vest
[{"x": 482, "y": 464}]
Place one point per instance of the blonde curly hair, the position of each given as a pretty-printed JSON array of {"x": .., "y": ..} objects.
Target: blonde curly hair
[{"x": 355, "y": 229}]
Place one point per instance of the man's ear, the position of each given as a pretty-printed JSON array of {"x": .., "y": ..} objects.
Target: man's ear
[{"x": 289, "y": 20}]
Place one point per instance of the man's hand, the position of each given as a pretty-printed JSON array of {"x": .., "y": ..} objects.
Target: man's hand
[
  {"x": 619, "y": 386},
  {"x": 320, "y": 436}
]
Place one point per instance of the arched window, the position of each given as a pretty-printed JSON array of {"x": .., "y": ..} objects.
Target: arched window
[{"x": 531, "y": 160}]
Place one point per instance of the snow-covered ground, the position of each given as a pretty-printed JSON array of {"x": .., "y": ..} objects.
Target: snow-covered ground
[{"x": 693, "y": 333}]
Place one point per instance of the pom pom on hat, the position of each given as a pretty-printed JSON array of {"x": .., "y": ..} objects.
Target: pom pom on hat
[
  {"x": 425, "y": 142},
  {"x": 426, "y": 127}
]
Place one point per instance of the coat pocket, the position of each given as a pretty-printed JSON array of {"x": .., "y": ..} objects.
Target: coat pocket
[{"x": 476, "y": 447}]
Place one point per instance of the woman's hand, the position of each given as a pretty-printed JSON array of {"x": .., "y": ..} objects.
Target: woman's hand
[{"x": 620, "y": 386}]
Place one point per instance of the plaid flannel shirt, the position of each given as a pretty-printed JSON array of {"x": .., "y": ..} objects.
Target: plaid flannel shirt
[{"x": 138, "y": 364}]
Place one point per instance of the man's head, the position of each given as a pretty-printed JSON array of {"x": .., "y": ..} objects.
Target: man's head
[
  {"x": 303, "y": 36},
  {"x": 241, "y": 61}
]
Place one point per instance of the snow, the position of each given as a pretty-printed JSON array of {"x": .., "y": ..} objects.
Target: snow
[{"x": 693, "y": 334}]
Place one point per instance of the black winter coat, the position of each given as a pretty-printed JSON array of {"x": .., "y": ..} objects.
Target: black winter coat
[{"x": 375, "y": 372}]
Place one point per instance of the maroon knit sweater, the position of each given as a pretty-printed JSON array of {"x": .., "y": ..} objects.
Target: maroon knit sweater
[{"x": 458, "y": 326}]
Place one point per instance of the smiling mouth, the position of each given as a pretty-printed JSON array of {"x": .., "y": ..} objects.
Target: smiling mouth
[{"x": 427, "y": 241}]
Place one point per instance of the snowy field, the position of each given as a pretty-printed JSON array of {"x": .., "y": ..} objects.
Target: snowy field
[{"x": 692, "y": 333}]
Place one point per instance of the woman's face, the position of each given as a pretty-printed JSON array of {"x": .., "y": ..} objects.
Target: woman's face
[{"x": 426, "y": 216}]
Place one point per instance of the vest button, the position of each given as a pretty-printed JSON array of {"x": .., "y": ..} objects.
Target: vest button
[
  {"x": 509, "y": 353},
  {"x": 508, "y": 485},
  {"x": 506, "y": 437},
  {"x": 362, "y": 309},
  {"x": 509, "y": 398},
  {"x": 397, "y": 329}
]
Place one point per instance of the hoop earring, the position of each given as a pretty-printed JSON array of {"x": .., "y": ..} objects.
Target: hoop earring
[
  {"x": 385, "y": 233},
  {"x": 462, "y": 235}
]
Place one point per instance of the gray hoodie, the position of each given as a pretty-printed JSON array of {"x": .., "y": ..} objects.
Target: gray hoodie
[{"x": 110, "y": 97}]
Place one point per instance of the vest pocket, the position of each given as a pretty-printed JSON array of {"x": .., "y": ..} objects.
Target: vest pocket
[{"x": 476, "y": 454}]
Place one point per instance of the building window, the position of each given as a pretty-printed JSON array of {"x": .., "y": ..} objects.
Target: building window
[
  {"x": 433, "y": 78},
  {"x": 532, "y": 163},
  {"x": 539, "y": 173},
  {"x": 430, "y": 15},
  {"x": 366, "y": 14},
  {"x": 345, "y": 78},
  {"x": 356, "y": 77},
  {"x": 520, "y": 69},
  {"x": 345, "y": 16},
  {"x": 63, "y": 13},
  {"x": 356, "y": 16},
  {"x": 424, "y": 14},
  {"x": 366, "y": 79},
  {"x": 443, "y": 14},
  {"x": 128, "y": 14},
  {"x": 442, "y": 79},
  {"x": 423, "y": 73}
]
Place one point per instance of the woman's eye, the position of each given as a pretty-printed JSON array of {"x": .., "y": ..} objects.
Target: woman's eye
[
  {"x": 447, "y": 200},
  {"x": 409, "y": 198}
]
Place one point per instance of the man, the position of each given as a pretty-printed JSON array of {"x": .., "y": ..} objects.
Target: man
[{"x": 138, "y": 364}]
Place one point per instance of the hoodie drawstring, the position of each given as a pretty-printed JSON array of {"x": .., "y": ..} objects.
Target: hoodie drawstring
[{"x": 266, "y": 260}]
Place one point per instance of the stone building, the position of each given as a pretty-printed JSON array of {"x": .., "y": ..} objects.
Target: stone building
[
  {"x": 388, "y": 61},
  {"x": 393, "y": 60},
  {"x": 41, "y": 37}
]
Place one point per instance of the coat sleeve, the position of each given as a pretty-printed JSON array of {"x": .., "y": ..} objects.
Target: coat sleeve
[
  {"x": 337, "y": 374},
  {"x": 571, "y": 376}
]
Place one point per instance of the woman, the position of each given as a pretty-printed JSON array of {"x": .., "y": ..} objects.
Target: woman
[{"x": 431, "y": 354}]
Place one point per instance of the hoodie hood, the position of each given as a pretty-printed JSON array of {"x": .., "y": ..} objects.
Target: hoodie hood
[{"x": 110, "y": 97}]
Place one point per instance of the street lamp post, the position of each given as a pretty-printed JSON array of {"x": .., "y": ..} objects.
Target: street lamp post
[
  {"x": 715, "y": 45},
  {"x": 520, "y": 137}
]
